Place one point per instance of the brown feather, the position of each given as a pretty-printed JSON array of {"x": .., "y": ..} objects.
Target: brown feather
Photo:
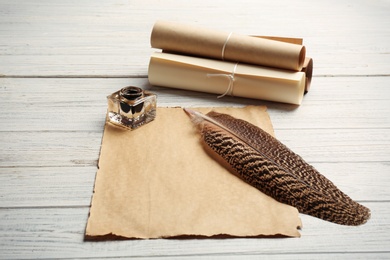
[{"x": 268, "y": 165}]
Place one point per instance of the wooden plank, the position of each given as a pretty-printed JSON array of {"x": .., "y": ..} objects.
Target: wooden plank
[
  {"x": 46, "y": 186},
  {"x": 35, "y": 149},
  {"x": 58, "y": 233},
  {"x": 352, "y": 256},
  {"x": 80, "y": 104},
  {"x": 83, "y": 38},
  {"x": 73, "y": 186},
  {"x": 135, "y": 64}
]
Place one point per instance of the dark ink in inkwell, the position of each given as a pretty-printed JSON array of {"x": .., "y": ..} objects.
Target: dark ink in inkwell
[{"x": 131, "y": 107}]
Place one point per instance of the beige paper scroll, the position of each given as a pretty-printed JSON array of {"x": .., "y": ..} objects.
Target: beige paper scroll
[
  {"x": 197, "y": 41},
  {"x": 220, "y": 77},
  {"x": 308, "y": 70},
  {"x": 307, "y": 64}
]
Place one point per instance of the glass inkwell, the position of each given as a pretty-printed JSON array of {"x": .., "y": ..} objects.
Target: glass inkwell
[{"x": 131, "y": 107}]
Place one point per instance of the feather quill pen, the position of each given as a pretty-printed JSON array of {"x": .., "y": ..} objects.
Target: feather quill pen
[{"x": 265, "y": 163}]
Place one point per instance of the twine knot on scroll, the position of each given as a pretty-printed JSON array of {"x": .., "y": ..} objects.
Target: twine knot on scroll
[{"x": 229, "y": 90}]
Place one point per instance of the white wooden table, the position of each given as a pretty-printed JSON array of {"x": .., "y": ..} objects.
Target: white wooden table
[{"x": 60, "y": 59}]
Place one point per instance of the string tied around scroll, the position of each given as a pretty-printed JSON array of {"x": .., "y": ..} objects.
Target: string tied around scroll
[
  {"x": 224, "y": 45},
  {"x": 229, "y": 89}
]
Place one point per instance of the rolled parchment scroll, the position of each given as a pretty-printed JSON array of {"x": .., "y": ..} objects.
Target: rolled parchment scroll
[
  {"x": 203, "y": 42},
  {"x": 226, "y": 78},
  {"x": 308, "y": 70}
]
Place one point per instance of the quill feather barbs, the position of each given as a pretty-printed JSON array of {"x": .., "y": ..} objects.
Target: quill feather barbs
[{"x": 268, "y": 165}]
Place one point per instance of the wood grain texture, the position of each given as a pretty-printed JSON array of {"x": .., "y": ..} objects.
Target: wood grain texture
[
  {"x": 74, "y": 104},
  {"x": 59, "y": 61},
  {"x": 72, "y": 186},
  {"x": 54, "y": 232},
  {"x": 85, "y": 38}
]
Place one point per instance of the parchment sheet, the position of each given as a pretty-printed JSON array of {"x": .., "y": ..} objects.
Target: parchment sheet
[
  {"x": 204, "y": 42},
  {"x": 158, "y": 182},
  {"x": 219, "y": 77}
]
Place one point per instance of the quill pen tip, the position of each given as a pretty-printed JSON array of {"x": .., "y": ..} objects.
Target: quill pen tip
[
  {"x": 192, "y": 113},
  {"x": 196, "y": 117},
  {"x": 189, "y": 112}
]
